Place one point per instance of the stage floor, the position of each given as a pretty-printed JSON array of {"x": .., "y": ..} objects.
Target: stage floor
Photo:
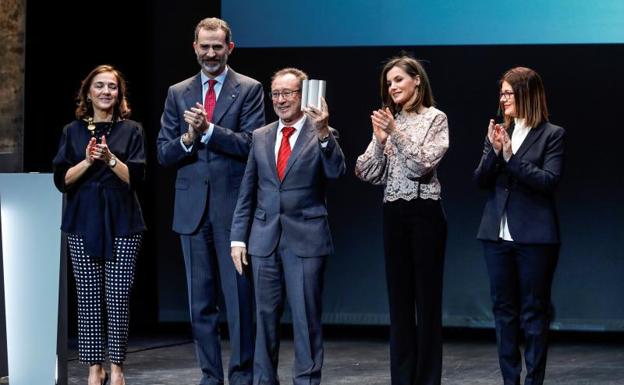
[{"x": 364, "y": 361}]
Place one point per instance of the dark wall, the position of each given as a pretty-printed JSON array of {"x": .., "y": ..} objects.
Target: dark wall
[
  {"x": 151, "y": 44},
  {"x": 582, "y": 83},
  {"x": 147, "y": 41},
  {"x": 174, "y": 61}
]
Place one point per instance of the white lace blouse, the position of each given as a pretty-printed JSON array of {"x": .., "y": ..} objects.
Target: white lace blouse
[{"x": 407, "y": 163}]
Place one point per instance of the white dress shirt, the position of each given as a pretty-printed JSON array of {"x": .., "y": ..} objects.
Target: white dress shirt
[
  {"x": 278, "y": 141},
  {"x": 519, "y": 134},
  {"x": 293, "y": 138}
]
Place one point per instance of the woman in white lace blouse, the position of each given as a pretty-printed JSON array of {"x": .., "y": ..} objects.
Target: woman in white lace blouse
[{"x": 410, "y": 137}]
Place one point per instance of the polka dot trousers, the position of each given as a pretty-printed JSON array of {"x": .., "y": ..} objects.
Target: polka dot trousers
[{"x": 104, "y": 298}]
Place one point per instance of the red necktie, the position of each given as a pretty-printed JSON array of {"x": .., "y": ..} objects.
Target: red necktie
[
  {"x": 211, "y": 100},
  {"x": 284, "y": 151}
]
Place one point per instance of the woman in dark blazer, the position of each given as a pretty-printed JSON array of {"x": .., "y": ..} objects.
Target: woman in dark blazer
[
  {"x": 520, "y": 168},
  {"x": 98, "y": 165}
]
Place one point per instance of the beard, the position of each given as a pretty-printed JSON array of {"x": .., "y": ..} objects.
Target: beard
[{"x": 213, "y": 67}]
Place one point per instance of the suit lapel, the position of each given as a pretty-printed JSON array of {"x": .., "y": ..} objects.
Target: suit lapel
[
  {"x": 531, "y": 137},
  {"x": 229, "y": 93},
  {"x": 302, "y": 141},
  {"x": 193, "y": 92},
  {"x": 271, "y": 135}
]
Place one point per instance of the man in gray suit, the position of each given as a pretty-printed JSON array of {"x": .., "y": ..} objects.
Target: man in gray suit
[
  {"x": 281, "y": 216},
  {"x": 206, "y": 135}
]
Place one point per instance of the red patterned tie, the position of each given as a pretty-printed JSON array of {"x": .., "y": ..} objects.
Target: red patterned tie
[
  {"x": 284, "y": 151},
  {"x": 211, "y": 100}
]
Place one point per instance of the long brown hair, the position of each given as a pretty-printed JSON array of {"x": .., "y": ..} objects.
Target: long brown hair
[
  {"x": 529, "y": 95},
  {"x": 121, "y": 110},
  {"x": 424, "y": 95}
]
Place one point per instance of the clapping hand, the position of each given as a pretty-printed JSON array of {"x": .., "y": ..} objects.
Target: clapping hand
[
  {"x": 499, "y": 138},
  {"x": 101, "y": 151},
  {"x": 491, "y": 131},
  {"x": 89, "y": 151},
  {"x": 383, "y": 124},
  {"x": 196, "y": 119},
  {"x": 495, "y": 136},
  {"x": 506, "y": 142}
]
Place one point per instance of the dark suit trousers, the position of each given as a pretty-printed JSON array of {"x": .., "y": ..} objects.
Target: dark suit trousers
[
  {"x": 520, "y": 282},
  {"x": 208, "y": 263},
  {"x": 414, "y": 243},
  {"x": 301, "y": 280}
]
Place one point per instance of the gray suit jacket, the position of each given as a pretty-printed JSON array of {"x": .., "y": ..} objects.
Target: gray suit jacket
[
  {"x": 294, "y": 209},
  {"x": 211, "y": 173}
]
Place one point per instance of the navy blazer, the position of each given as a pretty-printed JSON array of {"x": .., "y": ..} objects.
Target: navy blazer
[
  {"x": 294, "y": 207},
  {"x": 211, "y": 173},
  {"x": 524, "y": 187},
  {"x": 100, "y": 206}
]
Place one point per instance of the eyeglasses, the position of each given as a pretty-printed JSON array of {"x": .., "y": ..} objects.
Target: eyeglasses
[
  {"x": 506, "y": 95},
  {"x": 286, "y": 94}
]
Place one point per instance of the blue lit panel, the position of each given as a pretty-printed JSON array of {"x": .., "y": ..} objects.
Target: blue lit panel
[
  {"x": 309, "y": 23},
  {"x": 30, "y": 207}
]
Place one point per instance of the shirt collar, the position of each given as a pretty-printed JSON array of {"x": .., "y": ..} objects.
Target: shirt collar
[
  {"x": 219, "y": 78},
  {"x": 297, "y": 126}
]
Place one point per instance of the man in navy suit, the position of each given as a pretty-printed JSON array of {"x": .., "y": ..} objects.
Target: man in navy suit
[
  {"x": 205, "y": 134},
  {"x": 281, "y": 219}
]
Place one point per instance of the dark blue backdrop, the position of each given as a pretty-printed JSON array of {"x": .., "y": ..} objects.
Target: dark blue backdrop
[
  {"x": 584, "y": 82},
  {"x": 466, "y": 47}
]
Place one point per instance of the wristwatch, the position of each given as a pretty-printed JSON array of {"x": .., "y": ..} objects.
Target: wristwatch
[{"x": 112, "y": 162}]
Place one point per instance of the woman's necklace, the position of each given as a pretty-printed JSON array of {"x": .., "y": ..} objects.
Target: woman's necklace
[
  {"x": 98, "y": 133},
  {"x": 90, "y": 125}
]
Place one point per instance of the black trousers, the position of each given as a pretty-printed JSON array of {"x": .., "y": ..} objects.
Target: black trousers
[
  {"x": 414, "y": 243},
  {"x": 521, "y": 277}
]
